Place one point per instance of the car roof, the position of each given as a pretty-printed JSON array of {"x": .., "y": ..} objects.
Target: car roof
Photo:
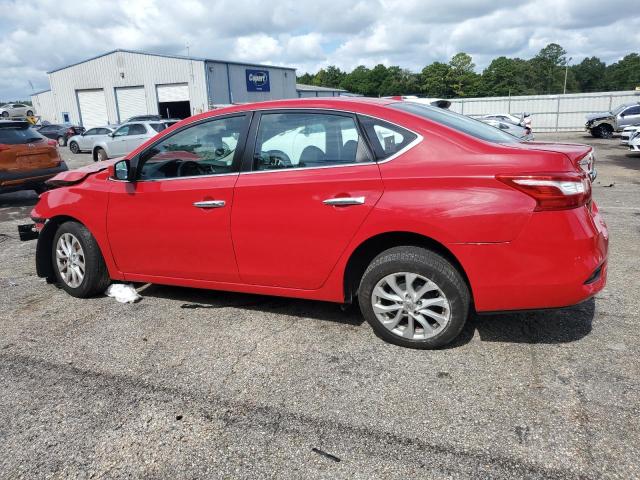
[{"x": 14, "y": 123}]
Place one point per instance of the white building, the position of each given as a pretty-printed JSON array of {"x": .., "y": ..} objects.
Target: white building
[{"x": 112, "y": 87}]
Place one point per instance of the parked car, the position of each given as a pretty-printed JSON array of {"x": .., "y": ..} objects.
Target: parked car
[
  {"x": 16, "y": 110},
  {"x": 604, "y": 124},
  {"x": 421, "y": 214},
  {"x": 85, "y": 141},
  {"x": 60, "y": 132},
  {"x": 515, "y": 130},
  {"x": 125, "y": 139},
  {"x": 634, "y": 141},
  {"x": 143, "y": 118},
  {"x": 504, "y": 117},
  {"x": 627, "y": 132},
  {"x": 27, "y": 159}
]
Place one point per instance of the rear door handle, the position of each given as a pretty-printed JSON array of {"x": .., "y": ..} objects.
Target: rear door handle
[
  {"x": 209, "y": 204},
  {"x": 344, "y": 201}
]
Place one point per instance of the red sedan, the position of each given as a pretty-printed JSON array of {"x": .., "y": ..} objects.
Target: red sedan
[{"x": 420, "y": 213}]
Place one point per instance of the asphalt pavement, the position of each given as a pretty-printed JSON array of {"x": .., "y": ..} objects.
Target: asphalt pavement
[{"x": 202, "y": 384}]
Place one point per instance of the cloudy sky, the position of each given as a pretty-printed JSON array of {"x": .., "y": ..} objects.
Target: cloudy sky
[{"x": 37, "y": 36}]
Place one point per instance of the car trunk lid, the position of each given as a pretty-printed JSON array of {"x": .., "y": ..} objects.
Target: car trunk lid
[{"x": 581, "y": 156}]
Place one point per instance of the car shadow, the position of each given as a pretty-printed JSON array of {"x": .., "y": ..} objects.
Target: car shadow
[
  {"x": 552, "y": 326},
  {"x": 17, "y": 205},
  {"x": 192, "y": 298},
  {"x": 557, "y": 326}
]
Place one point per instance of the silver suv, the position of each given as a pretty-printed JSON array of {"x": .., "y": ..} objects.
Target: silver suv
[
  {"x": 603, "y": 124},
  {"x": 125, "y": 139}
]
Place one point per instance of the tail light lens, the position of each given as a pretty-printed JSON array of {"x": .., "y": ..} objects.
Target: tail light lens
[
  {"x": 552, "y": 191},
  {"x": 71, "y": 131},
  {"x": 52, "y": 143},
  {"x": 4, "y": 147}
]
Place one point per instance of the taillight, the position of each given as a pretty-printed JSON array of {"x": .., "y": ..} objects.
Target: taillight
[
  {"x": 52, "y": 143},
  {"x": 4, "y": 147},
  {"x": 71, "y": 131},
  {"x": 552, "y": 191}
]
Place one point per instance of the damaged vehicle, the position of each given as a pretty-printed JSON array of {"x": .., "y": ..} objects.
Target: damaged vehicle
[
  {"x": 604, "y": 124},
  {"x": 418, "y": 214}
]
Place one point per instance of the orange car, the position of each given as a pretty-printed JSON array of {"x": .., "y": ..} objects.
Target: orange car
[{"x": 27, "y": 159}]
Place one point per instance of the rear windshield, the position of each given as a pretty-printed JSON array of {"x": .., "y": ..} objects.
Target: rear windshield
[
  {"x": 19, "y": 134},
  {"x": 462, "y": 123},
  {"x": 158, "y": 127}
]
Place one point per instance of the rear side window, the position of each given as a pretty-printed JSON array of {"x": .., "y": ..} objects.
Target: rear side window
[
  {"x": 386, "y": 139},
  {"x": 158, "y": 127},
  {"x": 137, "y": 129},
  {"x": 18, "y": 135}
]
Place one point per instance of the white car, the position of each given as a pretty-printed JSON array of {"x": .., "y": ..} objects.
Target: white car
[
  {"x": 503, "y": 117},
  {"x": 85, "y": 141},
  {"x": 515, "y": 130},
  {"x": 634, "y": 142},
  {"x": 16, "y": 110},
  {"x": 627, "y": 132},
  {"x": 125, "y": 139}
]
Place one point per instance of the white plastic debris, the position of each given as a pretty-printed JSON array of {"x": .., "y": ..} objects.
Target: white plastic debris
[{"x": 123, "y": 292}]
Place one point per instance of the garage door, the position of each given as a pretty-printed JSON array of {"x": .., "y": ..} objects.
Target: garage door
[
  {"x": 177, "y": 92},
  {"x": 132, "y": 101},
  {"x": 93, "y": 108}
]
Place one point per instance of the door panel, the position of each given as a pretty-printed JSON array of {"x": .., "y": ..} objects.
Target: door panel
[
  {"x": 155, "y": 229},
  {"x": 284, "y": 233}
]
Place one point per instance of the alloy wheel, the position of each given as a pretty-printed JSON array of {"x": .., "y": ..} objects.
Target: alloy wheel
[
  {"x": 70, "y": 260},
  {"x": 410, "y": 306},
  {"x": 61, "y": 141}
]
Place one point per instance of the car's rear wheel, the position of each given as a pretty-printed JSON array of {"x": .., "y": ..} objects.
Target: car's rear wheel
[
  {"x": 5, "y": 114},
  {"x": 62, "y": 141},
  {"x": 101, "y": 155},
  {"x": 29, "y": 113},
  {"x": 414, "y": 297},
  {"x": 73, "y": 146},
  {"x": 77, "y": 261}
]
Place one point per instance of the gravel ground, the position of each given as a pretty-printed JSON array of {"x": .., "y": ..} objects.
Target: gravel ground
[{"x": 263, "y": 387}]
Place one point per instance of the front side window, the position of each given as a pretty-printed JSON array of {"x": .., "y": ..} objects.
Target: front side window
[
  {"x": 122, "y": 131},
  {"x": 632, "y": 111},
  {"x": 203, "y": 149},
  {"x": 304, "y": 140}
]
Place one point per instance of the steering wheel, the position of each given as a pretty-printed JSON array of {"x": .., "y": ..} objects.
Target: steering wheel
[
  {"x": 277, "y": 158},
  {"x": 189, "y": 168}
]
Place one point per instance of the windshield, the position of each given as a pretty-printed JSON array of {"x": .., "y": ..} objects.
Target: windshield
[
  {"x": 458, "y": 122},
  {"x": 16, "y": 135},
  {"x": 618, "y": 109}
]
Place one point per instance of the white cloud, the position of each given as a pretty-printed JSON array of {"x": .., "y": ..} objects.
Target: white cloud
[{"x": 39, "y": 36}]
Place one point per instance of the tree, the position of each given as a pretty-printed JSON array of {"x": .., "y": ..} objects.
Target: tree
[
  {"x": 434, "y": 80},
  {"x": 506, "y": 76},
  {"x": 306, "y": 79},
  {"x": 330, "y": 77},
  {"x": 589, "y": 74},
  {"x": 358, "y": 81},
  {"x": 399, "y": 82},
  {"x": 462, "y": 78},
  {"x": 548, "y": 74},
  {"x": 625, "y": 74}
]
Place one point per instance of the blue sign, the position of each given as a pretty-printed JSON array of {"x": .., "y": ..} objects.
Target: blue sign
[{"x": 257, "y": 81}]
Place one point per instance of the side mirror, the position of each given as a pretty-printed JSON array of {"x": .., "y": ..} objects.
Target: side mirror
[{"x": 120, "y": 171}]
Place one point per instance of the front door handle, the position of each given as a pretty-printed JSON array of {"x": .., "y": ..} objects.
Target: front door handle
[
  {"x": 209, "y": 204},
  {"x": 344, "y": 201}
]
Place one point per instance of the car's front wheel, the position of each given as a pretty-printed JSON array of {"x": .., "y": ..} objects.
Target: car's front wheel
[
  {"x": 62, "y": 141},
  {"x": 100, "y": 155},
  {"x": 5, "y": 114},
  {"x": 29, "y": 113},
  {"x": 414, "y": 297},
  {"x": 73, "y": 146},
  {"x": 77, "y": 261}
]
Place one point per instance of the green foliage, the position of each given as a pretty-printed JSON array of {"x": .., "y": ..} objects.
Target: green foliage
[{"x": 544, "y": 73}]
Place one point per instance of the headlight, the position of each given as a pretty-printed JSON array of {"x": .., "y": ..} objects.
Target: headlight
[{"x": 634, "y": 135}]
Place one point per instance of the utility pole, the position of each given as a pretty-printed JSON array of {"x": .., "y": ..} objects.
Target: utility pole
[{"x": 566, "y": 72}]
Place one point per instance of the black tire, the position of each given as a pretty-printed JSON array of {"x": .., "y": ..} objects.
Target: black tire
[
  {"x": 96, "y": 277},
  {"x": 100, "y": 155},
  {"x": 73, "y": 146},
  {"x": 62, "y": 141},
  {"x": 5, "y": 114},
  {"x": 430, "y": 265},
  {"x": 29, "y": 113},
  {"x": 603, "y": 130}
]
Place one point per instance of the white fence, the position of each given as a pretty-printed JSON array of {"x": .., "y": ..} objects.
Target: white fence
[{"x": 550, "y": 113}]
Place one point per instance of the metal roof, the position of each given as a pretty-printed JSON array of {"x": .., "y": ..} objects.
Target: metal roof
[
  {"x": 180, "y": 57},
  {"x": 313, "y": 88},
  {"x": 41, "y": 91}
]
